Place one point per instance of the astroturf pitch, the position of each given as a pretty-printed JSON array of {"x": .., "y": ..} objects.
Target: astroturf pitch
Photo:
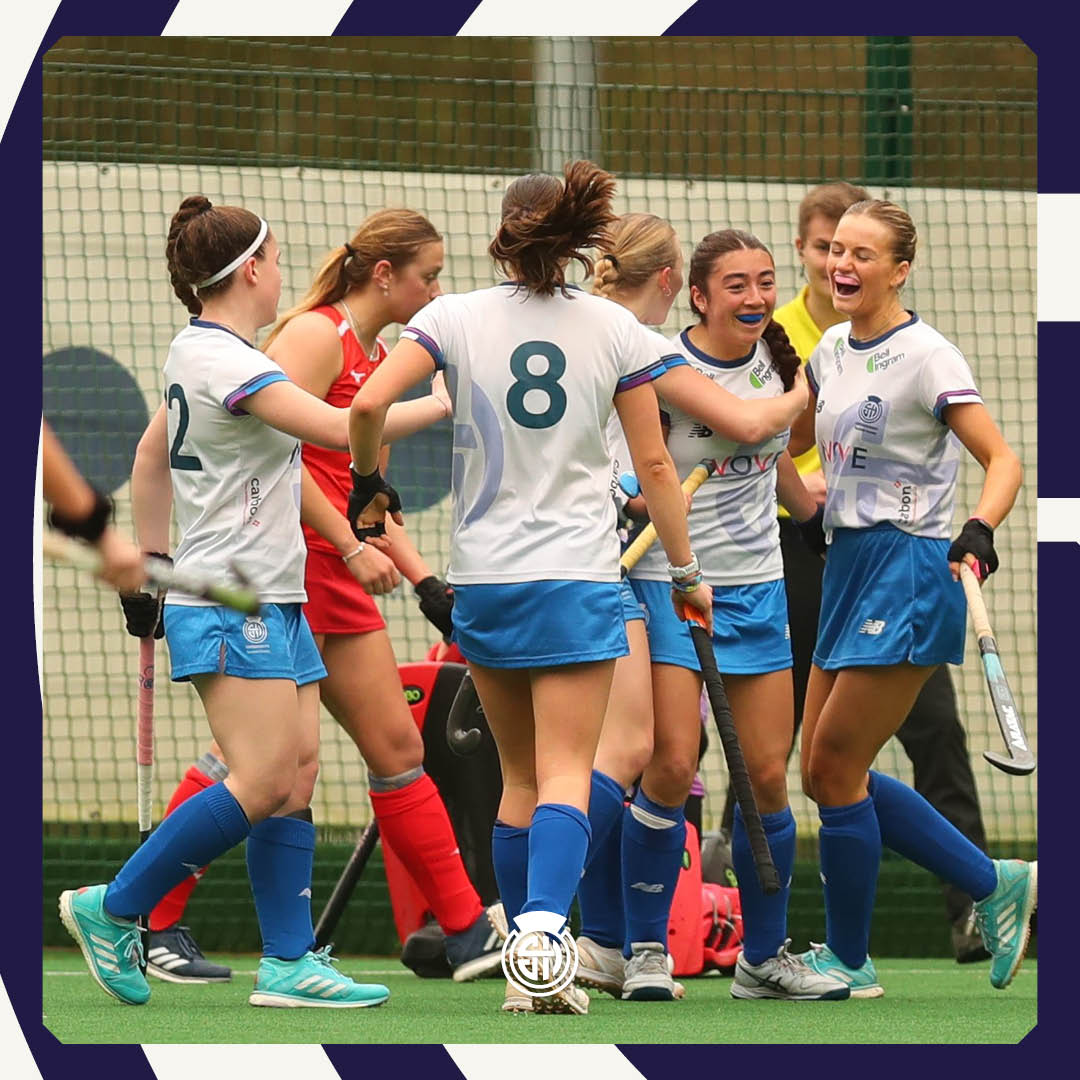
[{"x": 926, "y": 1001}]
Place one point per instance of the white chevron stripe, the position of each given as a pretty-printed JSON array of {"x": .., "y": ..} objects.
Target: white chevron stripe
[
  {"x": 271, "y": 17},
  {"x": 282, "y": 1061},
  {"x": 1059, "y": 519},
  {"x": 305, "y": 983},
  {"x": 478, "y": 1062},
  {"x": 573, "y": 17},
  {"x": 1059, "y": 223}
]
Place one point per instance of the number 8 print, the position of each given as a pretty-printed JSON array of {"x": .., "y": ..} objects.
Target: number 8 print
[{"x": 548, "y": 383}]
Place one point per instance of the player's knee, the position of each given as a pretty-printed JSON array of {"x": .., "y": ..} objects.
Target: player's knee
[
  {"x": 770, "y": 784},
  {"x": 670, "y": 778},
  {"x": 307, "y": 774}
]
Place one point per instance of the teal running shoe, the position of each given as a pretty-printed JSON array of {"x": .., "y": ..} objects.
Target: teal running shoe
[
  {"x": 311, "y": 982},
  {"x": 112, "y": 947},
  {"x": 1004, "y": 918},
  {"x": 863, "y": 981}
]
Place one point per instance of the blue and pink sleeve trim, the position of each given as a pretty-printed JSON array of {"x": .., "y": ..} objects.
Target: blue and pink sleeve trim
[
  {"x": 249, "y": 388},
  {"x": 426, "y": 342},
  {"x": 955, "y": 397}
]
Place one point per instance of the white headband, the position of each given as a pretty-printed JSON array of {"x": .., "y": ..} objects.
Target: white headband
[{"x": 240, "y": 259}]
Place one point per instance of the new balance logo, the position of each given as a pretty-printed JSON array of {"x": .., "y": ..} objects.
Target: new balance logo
[
  {"x": 646, "y": 887},
  {"x": 872, "y": 626}
]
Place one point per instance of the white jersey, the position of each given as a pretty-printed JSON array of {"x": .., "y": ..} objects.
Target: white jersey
[
  {"x": 733, "y": 526},
  {"x": 887, "y": 453},
  {"x": 236, "y": 481},
  {"x": 532, "y": 379}
]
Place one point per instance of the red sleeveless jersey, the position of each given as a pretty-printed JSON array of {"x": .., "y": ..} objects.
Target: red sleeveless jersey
[{"x": 330, "y": 468}]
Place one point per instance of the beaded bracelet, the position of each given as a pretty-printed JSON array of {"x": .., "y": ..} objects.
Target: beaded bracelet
[
  {"x": 356, "y": 551},
  {"x": 688, "y": 584}
]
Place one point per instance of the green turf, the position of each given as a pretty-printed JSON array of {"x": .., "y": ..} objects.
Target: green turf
[{"x": 926, "y": 1001}]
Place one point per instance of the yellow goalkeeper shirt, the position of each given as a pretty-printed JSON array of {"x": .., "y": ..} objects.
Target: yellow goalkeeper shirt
[{"x": 804, "y": 334}]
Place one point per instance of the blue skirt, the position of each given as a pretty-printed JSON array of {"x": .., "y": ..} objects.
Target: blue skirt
[
  {"x": 750, "y": 627},
  {"x": 886, "y": 598},
  {"x": 539, "y": 623}
]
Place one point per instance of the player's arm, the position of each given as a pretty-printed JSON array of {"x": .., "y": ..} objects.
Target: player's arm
[
  {"x": 802, "y": 427},
  {"x": 435, "y": 596},
  {"x": 973, "y": 425},
  {"x": 727, "y": 414},
  {"x": 372, "y": 497},
  {"x": 791, "y": 492},
  {"x": 84, "y": 512},
  {"x": 151, "y": 486},
  {"x": 656, "y": 474},
  {"x": 371, "y": 568}
]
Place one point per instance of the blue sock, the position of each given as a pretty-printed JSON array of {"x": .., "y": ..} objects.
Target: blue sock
[
  {"x": 510, "y": 858},
  {"x": 764, "y": 917},
  {"x": 195, "y": 833},
  {"x": 653, "y": 840},
  {"x": 911, "y": 827},
  {"x": 850, "y": 845},
  {"x": 558, "y": 840},
  {"x": 280, "y": 854},
  {"x": 600, "y": 888}
]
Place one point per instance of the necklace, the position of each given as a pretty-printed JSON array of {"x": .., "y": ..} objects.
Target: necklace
[
  {"x": 352, "y": 325},
  {"x": 882, "y": 327}
]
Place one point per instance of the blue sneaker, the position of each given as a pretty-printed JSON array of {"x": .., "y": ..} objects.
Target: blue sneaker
[
  {"x": 863, "y": 981},
  {"x": 311, "y": 982},
  {"x": 112, "y": 947},
  {"x": 1004, "y": 918}
]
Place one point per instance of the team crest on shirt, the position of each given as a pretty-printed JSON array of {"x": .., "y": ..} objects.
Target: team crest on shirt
[
  {"x": 761, "y": 373},
  {"x": 255, "y": 629}
]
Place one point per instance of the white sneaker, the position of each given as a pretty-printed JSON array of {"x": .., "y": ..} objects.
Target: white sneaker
[
  {"x": 785, "y": 976},
  {"x": 647, "y": 976},
  {"x": 600, "y": 967},
  {"x": 571, "y": 1000},
  {"x": 516, "y": 1001}
]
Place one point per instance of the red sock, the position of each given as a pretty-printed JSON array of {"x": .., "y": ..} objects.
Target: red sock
[
  {"x": 170, "y": 908},
  {"x": 414, "y": 822}
]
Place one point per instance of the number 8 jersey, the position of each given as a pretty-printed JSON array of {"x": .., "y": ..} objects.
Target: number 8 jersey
[
  {"x": 532, "y": 379},
  {"x": 236, "y": 481}
]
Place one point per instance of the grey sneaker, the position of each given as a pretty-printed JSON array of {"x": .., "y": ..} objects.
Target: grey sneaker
[
  {"x": 648, "y": 975},
  {"x": 785, "y": 976},
  {"x": 600, "y": 967}
]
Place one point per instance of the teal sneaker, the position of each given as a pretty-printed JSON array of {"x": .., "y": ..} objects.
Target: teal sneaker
[
  {"x": 862, "y": 981},
  {"x": 112, "y": 947},
  {"x": 311, "y": 982},
  {"x": 1004, "y": 918}
]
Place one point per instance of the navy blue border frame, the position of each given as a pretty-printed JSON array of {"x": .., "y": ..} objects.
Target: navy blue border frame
[{"x": 20, "y": 901}]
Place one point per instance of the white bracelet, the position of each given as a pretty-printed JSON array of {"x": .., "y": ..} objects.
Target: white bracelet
[
  {"x": 677, "y": 573},
  {"x": 356, "y": 551}
]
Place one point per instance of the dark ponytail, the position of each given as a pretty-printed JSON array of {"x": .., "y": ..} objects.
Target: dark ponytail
[
  {"x": 545, "y": 223},
  {"x": 203, "y": 238},
  {"x": 785, "y": 360}
]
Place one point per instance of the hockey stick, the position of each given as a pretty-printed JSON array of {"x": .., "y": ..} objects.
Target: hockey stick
[
  {"x": 462, "y": 734},
  {"x": 144, "y": 760},
  {"x": 343, "y": 890},
  {"x": 159, "y": 573},
  {"x": 1020, "y": 760},
  {"x": 714, "y": 687},
  {"x": 767, "y": 875}
]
